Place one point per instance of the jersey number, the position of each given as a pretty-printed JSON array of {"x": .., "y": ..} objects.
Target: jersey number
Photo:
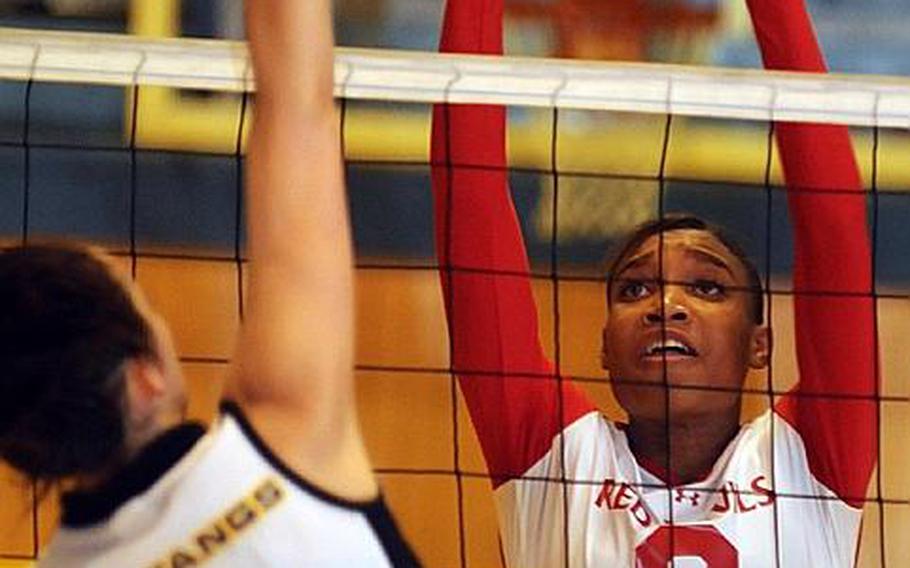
[{"x": 702, "y": 542}]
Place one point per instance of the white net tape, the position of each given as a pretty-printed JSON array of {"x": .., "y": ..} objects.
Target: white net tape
[{"x": 403, "y": 76}]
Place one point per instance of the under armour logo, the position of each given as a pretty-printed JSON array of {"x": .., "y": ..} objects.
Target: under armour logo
[{"x": 693, "y": 497}]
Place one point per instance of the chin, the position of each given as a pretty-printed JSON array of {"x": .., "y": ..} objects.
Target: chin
[
  {"x": 695, "y": 404},
  {"x": 647, "y": 399}
]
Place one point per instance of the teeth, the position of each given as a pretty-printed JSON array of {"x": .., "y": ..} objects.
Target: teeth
[{"x": 669, "y": 345}]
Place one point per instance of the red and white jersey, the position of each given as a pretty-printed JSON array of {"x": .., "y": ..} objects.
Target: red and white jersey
[
  {"x": 753, "y": 510},
  {"x": 789, "y": 490}
]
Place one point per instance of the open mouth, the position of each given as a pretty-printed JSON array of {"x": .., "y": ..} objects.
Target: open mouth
[{"x": 669, "y": 349}]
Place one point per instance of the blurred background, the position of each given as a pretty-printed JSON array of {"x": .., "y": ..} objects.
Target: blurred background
[
  {"x": 867, "y": 36},
  {"x": 859, "y": 36}
]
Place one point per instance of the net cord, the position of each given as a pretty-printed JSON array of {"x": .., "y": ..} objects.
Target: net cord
[{"x": 423, "y": 77}]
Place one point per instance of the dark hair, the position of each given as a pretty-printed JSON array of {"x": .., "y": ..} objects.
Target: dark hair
[
  {"x": 67, "y": 325},
  {"x": 678, "y": 222}
]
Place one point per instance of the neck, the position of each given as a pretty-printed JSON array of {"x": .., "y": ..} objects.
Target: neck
[
  {"x": 137, "y": 438},
  {"x": 685, "y": 449}
]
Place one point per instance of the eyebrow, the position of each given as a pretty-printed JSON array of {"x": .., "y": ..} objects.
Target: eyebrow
[
  {"x": 711, "y": 258},
  {"x": 699, "y": 254},
  {"x": 635, "y": 262}
]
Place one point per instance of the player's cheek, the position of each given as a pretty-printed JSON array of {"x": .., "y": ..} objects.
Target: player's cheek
[
  {"x": 727, "y": 356},
  {"x": 618, "y": 340}
]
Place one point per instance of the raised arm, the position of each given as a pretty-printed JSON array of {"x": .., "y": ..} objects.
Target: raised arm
[
  {"x": 508, "y": 383},
  {"x": 293, "y": 367},
  {"x": 834, "y": 310}
]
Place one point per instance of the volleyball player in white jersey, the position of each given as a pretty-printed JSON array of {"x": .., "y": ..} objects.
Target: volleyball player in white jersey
[
  {"x": 683, "y": 482},
  {"x": 91, "y": 389}
]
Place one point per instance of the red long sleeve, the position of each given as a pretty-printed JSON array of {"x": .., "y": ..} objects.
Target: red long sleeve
[
  {"x": 834, "y": 312},
  {"x": 509, "y": 385}
]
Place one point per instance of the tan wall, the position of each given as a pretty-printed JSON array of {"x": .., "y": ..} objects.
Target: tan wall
[{"x": 408, "y": 419}]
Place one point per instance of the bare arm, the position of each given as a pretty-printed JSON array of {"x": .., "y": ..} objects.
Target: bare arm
[{"x": 293, "y": 368}]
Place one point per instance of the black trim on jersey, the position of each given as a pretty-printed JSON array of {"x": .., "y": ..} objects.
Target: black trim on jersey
[
  {"x": 85, "y": 508},
  {"x": 395, "y": 546},
  {"x": 231, "y": 408},
  {"x": 375, "y": 510}
]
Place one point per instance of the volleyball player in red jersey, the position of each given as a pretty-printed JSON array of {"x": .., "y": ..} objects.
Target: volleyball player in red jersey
[{"x": 683, "y": 481}]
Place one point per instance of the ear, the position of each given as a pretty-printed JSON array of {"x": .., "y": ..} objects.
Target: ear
[
  {"x": 760, "y": 345},
  {"x": 145, "y": 384}
]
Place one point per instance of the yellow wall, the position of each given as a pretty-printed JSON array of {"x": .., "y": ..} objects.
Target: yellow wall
[{"x": 407, "y": 417}]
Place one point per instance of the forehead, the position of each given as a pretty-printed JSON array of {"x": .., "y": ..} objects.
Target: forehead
[{"x": 699, "y": 246}]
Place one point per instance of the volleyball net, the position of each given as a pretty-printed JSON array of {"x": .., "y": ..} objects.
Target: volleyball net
[{"x": 138, "y": 145}]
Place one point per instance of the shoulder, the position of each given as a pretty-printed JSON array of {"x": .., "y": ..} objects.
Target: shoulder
[
  {"x": 236, "y": 432},
  {"x": 588, "y": 441},
  {"x": 771, "y": 441},
  {"x": 337, "y": 518},
  {"x": 230, "y": 496}
]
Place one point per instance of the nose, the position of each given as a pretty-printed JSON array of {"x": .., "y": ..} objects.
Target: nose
[{"x": 672, "y": 308}]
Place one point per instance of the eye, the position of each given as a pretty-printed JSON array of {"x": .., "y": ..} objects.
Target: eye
[
  {"x": 708, "y": 289},
  {"x": 633, "y": 290}
]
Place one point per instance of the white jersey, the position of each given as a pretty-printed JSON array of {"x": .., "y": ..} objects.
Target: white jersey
[
  {"x": 619, "y": 514},
  {"x": 224, "y": 499}
]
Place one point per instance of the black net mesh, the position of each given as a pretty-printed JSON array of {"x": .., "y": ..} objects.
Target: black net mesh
[{"x": 77, "y": 165}]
